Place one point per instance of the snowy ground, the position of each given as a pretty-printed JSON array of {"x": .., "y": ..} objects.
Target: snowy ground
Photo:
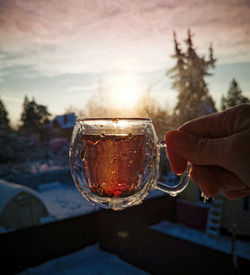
[
  {"x": 90, "y": 260},
  {"x": 64, "y": 201},
  {"x": 199, "y": 237}
]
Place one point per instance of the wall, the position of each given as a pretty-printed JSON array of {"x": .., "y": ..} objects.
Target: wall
[
  {"x": 191, "y": 214},
  {"x": 190, "y": 193}
]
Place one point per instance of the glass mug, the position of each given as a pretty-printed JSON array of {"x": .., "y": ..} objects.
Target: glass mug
[{"x": 115, "y": 162}]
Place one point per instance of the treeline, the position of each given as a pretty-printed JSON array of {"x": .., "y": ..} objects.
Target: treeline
[
  {"x": 34, "y": 118},
  {"x": 33, "y": 145}
]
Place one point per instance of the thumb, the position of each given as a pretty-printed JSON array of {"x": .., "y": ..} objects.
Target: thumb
[{"x": 196, "y": 149}]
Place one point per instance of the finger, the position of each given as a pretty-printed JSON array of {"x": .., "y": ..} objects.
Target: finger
[
  {"x": 206, "y": 180},
  {"x": 228, "y": 182},
  {"x": 233, "y": 195},
  {"x": 196, "y": 149},
  {"x": 220, "y": 124},
  {"x": 177, "y": 163},
  {"x": 212, "y": 126}
]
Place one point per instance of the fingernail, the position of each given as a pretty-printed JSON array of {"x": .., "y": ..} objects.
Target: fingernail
[
  {"x": 204, "y": 192},
  {"x": 205, "y": 197}
]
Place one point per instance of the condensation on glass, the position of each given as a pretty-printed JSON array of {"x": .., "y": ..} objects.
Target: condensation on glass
[{"x": 115, "y": 161}]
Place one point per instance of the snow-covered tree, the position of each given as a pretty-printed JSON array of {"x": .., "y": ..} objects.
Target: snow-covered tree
[
  {"x": 234, "y": 96},
  {"x": 189, "y": 80}
]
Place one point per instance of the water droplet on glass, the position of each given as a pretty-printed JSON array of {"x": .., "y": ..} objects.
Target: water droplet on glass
[
  {"x": 115, "y": 120},
  {"x": 83, "y": 155},
  {"x": 93, "y": 142}
]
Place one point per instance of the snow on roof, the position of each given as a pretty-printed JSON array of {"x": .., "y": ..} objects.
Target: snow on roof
[
  {"x": 89, "y": 260},
  {"x": 199, "y": 237},
  {"x": 65, "y": 121},
  {"x": 64, "y": 200},
  {"x": 9, "y": 190}
]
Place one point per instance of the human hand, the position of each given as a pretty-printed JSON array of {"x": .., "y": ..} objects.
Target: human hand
[{"x": 218, "y": 148}]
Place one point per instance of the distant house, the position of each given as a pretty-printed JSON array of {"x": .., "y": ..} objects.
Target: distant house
[
  {"x": 64, "y": 124},
  {"x": 20, "y": 206}
]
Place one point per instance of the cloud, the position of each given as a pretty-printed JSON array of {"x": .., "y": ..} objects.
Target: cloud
[
  {"x": 60, "y": 37},
  {"x": 58, "y": 50}
]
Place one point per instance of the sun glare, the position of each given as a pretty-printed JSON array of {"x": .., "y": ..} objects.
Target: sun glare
[
  {"x": 125, "y": 92},
  {"x": 127, "y": 95}
]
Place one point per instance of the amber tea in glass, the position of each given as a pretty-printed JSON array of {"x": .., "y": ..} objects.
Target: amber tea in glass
[
  {"x": 113, "y": 164},
  {"x": 115, "y": 161}
]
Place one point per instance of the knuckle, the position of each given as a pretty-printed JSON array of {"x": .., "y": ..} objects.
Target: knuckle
[
  {"x": 229, "y": 146},
  {"x": 235, "y": 149},
  {"x": 202, "y": 145},
  {"x": 226, "y": 152},
  {"x": 209, "y": 151}
]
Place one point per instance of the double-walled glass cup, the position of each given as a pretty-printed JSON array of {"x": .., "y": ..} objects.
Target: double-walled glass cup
[{"x": 115, "y": 161}]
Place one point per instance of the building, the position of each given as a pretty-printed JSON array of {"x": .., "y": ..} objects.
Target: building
[
  {"x": 20, "y": 206},
  {"x": 63, "y": 124}
]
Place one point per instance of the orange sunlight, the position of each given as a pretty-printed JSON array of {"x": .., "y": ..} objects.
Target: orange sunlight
[{"x": 125, "y": 92}]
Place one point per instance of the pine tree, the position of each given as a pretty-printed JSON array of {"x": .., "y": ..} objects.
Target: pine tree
[
  {"x": 234, "y": 96},
  {"x": 33, "y": 117},
  {"x": 4, "y": 120},
  {"x": 189, "y": 80}
]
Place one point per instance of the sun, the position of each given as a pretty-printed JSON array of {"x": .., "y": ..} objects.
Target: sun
[
  {"x": 126, "y": 92},
  {"x": 127, "y": 96}
]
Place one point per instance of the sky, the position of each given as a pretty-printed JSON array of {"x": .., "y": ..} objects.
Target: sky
[{"x": 60, "y": 51}]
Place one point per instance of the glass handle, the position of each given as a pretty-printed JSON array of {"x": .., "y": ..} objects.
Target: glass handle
[{"x": 184, "y": 179}]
